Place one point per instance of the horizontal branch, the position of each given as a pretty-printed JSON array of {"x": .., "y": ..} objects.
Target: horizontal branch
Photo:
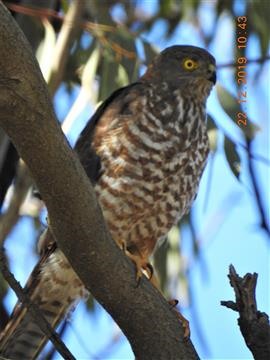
[
  {"x": 259, "y": 60},
  {"x": 254, "y": 325}
]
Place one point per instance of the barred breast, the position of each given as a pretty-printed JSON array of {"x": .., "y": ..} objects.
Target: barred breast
[{"x": 151, "y": 166}]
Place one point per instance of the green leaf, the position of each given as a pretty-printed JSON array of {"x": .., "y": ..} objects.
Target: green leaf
[
  {"x": 232, "y": 108},
  {"x": 108, "y": 72},
  {"x": 224, "y": 5},
  {"x": 122, "y": 77},
  {"x": 212, "y": 133},
  {"x": 227, "y": 101},
  {"x": 160, "y": 263},
  {"x": 125, "y": 52},
  {"x": 45, "y": 51},
  {"x": 259, "y": 18},
  {"x": 64, "y": 5},
  {"x": 165, "y": 7},
  {"x": 232, "y": 157},
  {"x": 119, "y": 61},
  {"x": 90, "y": 68}
]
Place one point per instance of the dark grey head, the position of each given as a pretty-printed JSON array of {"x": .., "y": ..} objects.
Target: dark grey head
[{"x": 182, "y": 62}]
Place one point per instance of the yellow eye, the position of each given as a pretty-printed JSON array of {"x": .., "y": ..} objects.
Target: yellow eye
[{"x": 190, "y": 64}]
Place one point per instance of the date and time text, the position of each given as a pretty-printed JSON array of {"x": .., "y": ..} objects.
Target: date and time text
[{"x": 241, "y": 74}]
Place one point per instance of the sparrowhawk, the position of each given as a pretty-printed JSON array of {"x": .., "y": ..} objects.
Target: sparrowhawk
[{"x": 144, "y": 150}]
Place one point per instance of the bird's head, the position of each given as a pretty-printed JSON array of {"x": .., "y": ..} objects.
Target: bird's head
[{"x": 183, "y": 65}]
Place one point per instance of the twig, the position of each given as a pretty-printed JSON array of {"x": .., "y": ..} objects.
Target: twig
[
  {"x": 44, "y": 13},
  {"x": 254, "y": 325},
  {"x": 34, "y": 310},
  {"x": 253, "y": 156},
  {"x": 50, "y": 354},
  {"x": 249, "y": 61},
  {"x": 262, "y": 212},
  {"x": 73, "y": 22}
]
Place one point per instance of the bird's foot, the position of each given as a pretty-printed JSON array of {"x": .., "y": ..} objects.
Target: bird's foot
[
  {"x": 183, "y": 320},
  {"x": 142, "y": 264}
]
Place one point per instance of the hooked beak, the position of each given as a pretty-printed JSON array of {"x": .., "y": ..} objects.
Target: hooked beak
[{"x": 212, "y": 73}]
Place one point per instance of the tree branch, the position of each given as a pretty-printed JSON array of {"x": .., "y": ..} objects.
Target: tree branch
[
  {"x": 51, "y": 353},
  {"x": 26, "y": 114},
  {"x": 34, "y": 310},
  {"x": 254, "y": 325},
  {"x": 253, "y": 178},
  {"x": 259, "y": 60}
]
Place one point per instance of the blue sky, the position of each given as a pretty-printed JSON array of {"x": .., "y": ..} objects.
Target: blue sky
[{"x": 227, "y": 226}]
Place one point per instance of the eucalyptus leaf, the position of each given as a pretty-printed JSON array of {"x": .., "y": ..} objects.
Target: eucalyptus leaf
[
  {"x": 125, "y": 50},
  {"x": 212, "y": 133},
  {"x": 108, "y": 71},
  {"x": 122, "y": 78},
  {"x": 233, "y": 109},
  {"x": 160, "y": 263},
  {"x": 232, "y": 157},
  {"x": 45, "y": 51}
]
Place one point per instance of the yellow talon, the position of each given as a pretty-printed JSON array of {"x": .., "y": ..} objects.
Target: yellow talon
[{"x": 141, "y": 263}]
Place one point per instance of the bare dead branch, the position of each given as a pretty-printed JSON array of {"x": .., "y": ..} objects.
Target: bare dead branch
[
  {"x": 254, "y": 325},
  {"x": 34, "y": 310}
]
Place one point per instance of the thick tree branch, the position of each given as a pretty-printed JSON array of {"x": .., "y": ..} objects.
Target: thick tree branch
[
  {"x": 26, "y": 114},
  {"x": 254, "y": 325}
]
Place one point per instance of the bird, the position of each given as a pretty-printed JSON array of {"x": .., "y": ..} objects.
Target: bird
[{"x": 144, "y": 150}]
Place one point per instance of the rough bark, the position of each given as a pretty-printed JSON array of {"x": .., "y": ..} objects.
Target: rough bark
[
  {"x": 26, "y": 114},
  {"x": 254, "y": 324},
  {"x": 8, "y": 154}
]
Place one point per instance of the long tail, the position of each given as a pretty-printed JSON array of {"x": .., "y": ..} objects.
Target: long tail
[{"x": 55, "y": 288}]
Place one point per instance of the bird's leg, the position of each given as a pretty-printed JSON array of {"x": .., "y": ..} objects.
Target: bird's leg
[{"x": 142, "y": 263}]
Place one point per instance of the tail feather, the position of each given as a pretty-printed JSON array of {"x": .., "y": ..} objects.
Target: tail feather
[{"x": 55, "y": 288}]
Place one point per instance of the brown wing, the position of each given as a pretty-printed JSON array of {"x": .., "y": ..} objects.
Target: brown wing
[{"x": 87, "y": 155}]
